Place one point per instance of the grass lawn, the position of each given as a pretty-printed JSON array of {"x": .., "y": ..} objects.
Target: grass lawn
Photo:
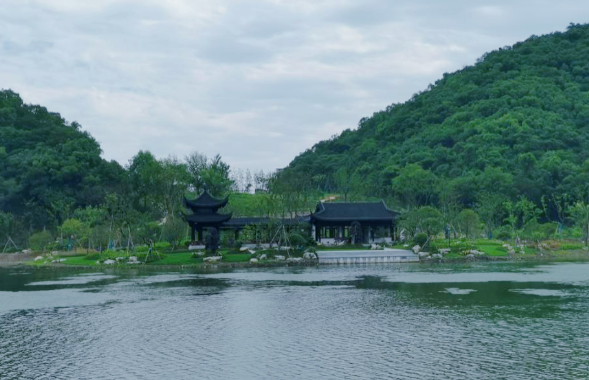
[{"x": 493, "y": 250}]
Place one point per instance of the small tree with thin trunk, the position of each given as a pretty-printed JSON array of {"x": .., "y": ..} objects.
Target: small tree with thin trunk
[{"x": 579, "y": 212}]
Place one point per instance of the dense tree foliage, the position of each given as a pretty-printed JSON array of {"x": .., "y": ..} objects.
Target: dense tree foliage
[
  {"x": 48, "y": 167},
  {"x": 516, "y": 123}
]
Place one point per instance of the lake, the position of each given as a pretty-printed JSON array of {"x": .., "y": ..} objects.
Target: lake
[{"x": 403, "y": 321}]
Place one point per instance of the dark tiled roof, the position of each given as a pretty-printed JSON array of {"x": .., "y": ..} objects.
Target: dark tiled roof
[
  {"x": 207, "y": 218},
  {"x": 360, "y": 211},
  {"x": 205, "y": 200}
]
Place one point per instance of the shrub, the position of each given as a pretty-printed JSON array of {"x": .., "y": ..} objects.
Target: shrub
[
  {"x": 141, "y": 248},
  {"x": 297, "y": 240},
  {"x": 545, "y": 231},
  {"x": 162, "y": 246},
  {"x": 503, "y": 233},
  {"x": 237, "y": 244},
  {"x": 420, "y": 239},
  {"x": 92, "y": 256}
]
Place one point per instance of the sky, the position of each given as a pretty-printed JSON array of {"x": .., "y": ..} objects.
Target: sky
[{"x": 257, "y": 81}]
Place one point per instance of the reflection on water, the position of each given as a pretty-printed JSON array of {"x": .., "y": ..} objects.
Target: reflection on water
[{"x": 512, "y": 321}]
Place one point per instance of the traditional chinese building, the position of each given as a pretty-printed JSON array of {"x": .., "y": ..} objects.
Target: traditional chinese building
[
  {"x": 331, "y": 222},
  {"x": 205, "y": 214}
]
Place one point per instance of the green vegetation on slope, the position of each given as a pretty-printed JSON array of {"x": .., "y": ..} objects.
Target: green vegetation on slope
[{"x": 516, "y": 123}]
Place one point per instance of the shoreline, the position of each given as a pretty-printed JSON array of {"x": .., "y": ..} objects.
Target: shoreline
[{"x": 571, "y": 256}]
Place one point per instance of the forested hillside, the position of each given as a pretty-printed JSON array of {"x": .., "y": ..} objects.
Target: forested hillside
[
  {"x": 57, "y": 191},
  {"x": 48, "y": 167},
  {"x": 516, "y": 123}
]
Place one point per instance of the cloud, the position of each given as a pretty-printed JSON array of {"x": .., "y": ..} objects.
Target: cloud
[{"x": 257, "y": 81}]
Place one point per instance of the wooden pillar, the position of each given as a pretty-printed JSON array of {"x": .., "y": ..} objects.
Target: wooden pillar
[
  {"x": 200, "y": 240},
  {"x": 341, "y": 232},
  {"x": 192, "y": 234},
  {"x": 237, "y": 234}
]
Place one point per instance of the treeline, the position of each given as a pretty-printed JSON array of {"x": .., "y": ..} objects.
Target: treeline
[
  {"x": 516, "y": 124},
  {"x": 56, "y": 190}
]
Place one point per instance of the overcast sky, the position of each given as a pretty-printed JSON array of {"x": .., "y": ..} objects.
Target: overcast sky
[{"x": 257, "y": 81}]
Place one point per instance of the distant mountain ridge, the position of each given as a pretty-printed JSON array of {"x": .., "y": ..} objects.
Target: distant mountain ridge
[{"x": 516, "y": 123}]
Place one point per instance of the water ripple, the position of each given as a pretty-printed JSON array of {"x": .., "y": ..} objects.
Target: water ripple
[{"x": 317, "y": 323}]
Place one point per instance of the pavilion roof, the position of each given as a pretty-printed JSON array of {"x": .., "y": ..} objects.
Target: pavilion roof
[
  {"x": 356, "y": 211},
  {"x": 208, "y": 218},
  {"x": 206, "y": 200}
]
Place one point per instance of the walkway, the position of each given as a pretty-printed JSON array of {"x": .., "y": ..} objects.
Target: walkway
[{"x": 388, "y": 255}]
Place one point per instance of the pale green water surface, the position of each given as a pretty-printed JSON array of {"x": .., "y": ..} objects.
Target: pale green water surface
[{"x": 490, "y": 321}]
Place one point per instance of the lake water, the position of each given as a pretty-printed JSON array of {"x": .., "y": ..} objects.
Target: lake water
[{"x": 405, "y": 321}]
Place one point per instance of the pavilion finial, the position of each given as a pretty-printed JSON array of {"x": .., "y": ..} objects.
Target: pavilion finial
[{"x": 205, "y": 187}]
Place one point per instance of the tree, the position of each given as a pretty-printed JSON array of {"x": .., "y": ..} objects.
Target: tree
[
  {"x": 430, "y": 220},
  {"x": 346, "y": 182},
  {"x": 521, "y": 215},
  {"x": 468, "y": 222},
  {"x": 216, "y": 175},
  {"x": 75, "y": 230},
  {"x": 579, "y": 212},
  {"x": 196, "y": 164},
  {"x": 490, "y": 208},
  {"x": 144, "y": 170},
  {"x": 415, "y": 185},
  {"x": 40, "y": 240},
  {"x": 174, "y": 230}
]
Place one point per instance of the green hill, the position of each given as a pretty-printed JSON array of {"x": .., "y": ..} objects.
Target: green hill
[
  {"x": 48, "y": 167},
  {"x": 516, "y": 123}
]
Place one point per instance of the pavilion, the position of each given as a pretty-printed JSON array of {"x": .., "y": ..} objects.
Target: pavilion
[
  {"x": 205, "y": 214},
  {"x": 331, "y": 223}
]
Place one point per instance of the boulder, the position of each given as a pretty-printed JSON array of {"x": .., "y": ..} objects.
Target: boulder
[
  {"x": 109, "y": 262},
  {"x": 199, "y": 253},
  {"x": 133, "y": 260},
  {"x": 436, "y": 256},
  {"x": 406, "y": 245},
  {"x": 58, "y": 260},
  {"x": 470, "y": 256},
  {"x": 423, "y": 255},
  {"x": 309, "y": 256},
  {"x": 38, "y": 258},
  {"x": 251, "y": 252},
  {"x": 253, "y": 261},
  {"x": 416, "y": 249},
  {"x": 280, "y": 257},
  {"x": 285, "y": 248},
  {"x": 26, "y": 251},
  {"x": 294, "y": 259},
  {"x": 263, "y": 256},
  {"x": 212, "y": 259},
  {"x": 243, "y": 249},
  {"x": 444, "y": 251},
  {"x": 54, "y": 252},
  {"x": 119, "y": 259},
  {"x": 511, "y": 252}
]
